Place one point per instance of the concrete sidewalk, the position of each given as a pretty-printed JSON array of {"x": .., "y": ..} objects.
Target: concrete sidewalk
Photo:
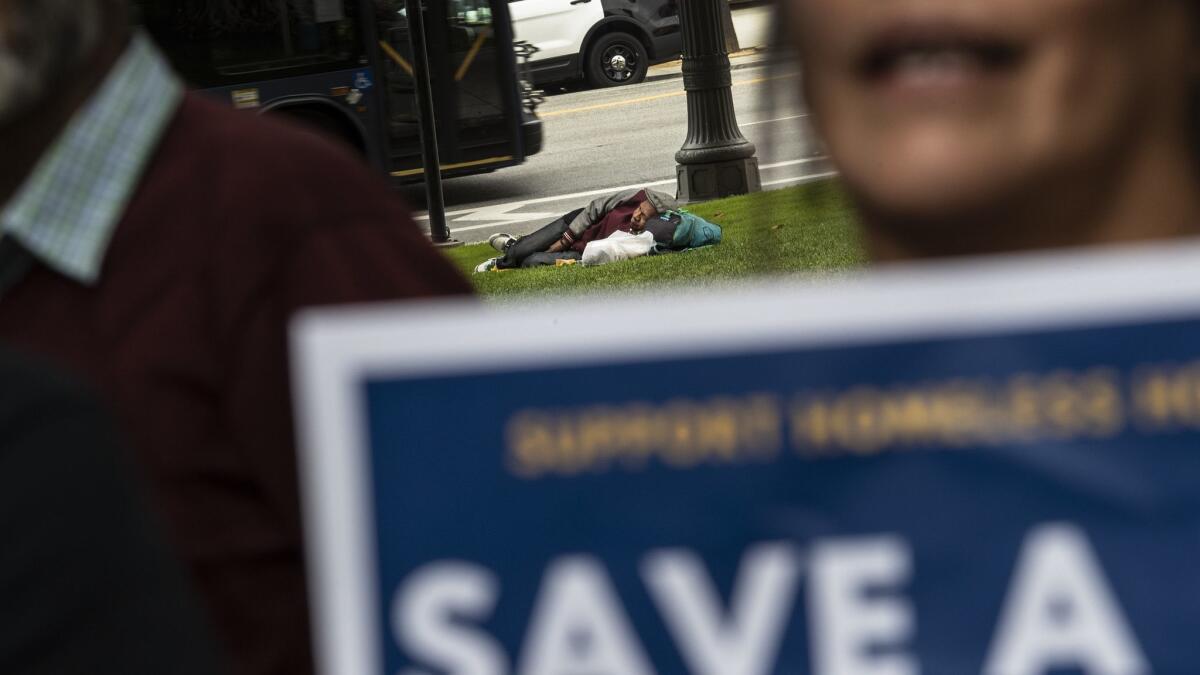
[
  {"x": 747, "y": 58},
  {"x": 753, "y": 27}
]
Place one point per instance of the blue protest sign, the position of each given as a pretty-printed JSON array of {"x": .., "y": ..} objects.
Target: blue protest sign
[{"x": 983, "y": 467}]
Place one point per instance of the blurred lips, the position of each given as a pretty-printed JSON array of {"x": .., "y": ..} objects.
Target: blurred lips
[{"x": 928, "y": 58}]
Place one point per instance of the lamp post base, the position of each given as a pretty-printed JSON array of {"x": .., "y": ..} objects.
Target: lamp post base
[{"x": 702, "y": 182}]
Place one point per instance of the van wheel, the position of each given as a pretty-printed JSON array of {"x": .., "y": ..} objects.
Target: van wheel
[{"x": 616, "y": 59}]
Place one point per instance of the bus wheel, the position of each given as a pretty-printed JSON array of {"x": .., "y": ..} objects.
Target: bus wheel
[
  {"x": 616, "y": 59},
  {"x": 326, "y": 124}
]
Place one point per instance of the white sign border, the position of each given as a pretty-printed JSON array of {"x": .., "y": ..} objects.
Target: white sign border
[{"x": 334, "y": 349}]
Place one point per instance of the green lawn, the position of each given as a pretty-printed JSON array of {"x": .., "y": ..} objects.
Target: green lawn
[{"x": 805, "y": 228}]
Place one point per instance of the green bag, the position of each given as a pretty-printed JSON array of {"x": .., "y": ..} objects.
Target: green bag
[{"x": 690, "y": 231}]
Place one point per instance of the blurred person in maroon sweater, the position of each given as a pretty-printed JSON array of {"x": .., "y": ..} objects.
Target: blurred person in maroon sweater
[
  {"x": 88, "y": 583},
  {"x": 1006, "y": 125},
  {"x": 156, "y": 244}
]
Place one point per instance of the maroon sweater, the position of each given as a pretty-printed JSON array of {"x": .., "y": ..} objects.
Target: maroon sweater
[
  {"x": 238, "y": 222},
  {"x": 620, "y": 219}
]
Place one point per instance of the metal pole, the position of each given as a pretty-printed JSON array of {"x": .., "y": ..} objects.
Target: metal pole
[
  {"x": 285, "y": 24},
  {"x": 715, "y": 160},
  {"x": 438, "y": 231}
]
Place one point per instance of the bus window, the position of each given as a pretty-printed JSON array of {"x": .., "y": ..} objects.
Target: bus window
[
  {"x": 217, "y": 43},
  {"x": 473, "y": 64},
  {"x": 401, "y": 90},
  {"x": 343, "y": 66},
  {"x": 471, "y": 109}
]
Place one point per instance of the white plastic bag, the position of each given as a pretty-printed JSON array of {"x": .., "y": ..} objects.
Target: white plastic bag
[{"x": 618, "y": 246}]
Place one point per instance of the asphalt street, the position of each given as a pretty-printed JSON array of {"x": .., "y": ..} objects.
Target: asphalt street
[{"x": 599, "y": 141}]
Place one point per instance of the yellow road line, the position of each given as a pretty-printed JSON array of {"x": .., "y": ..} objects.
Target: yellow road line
[
  {"x": 466, "y": 64},
  {"x": 644, "y": 99},
  {"x": 395, "y": 56},
  {"x": 611, "y": 104},
  {"x": 451, "y": 167}
]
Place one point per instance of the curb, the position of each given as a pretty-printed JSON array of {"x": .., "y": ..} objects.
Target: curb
[{"x": 750, "y": 59}]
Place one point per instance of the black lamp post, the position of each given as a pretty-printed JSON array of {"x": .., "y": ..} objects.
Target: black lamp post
[
  {"x": 715, "y": 160},
  {"x": 439, "y": 232}
]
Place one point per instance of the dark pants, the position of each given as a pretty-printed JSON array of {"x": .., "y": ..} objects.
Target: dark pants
[{"x": 530, "y": 250}]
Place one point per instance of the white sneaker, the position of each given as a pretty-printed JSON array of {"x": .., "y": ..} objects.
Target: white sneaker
[
  {"x": 486, "y": 266},
  {"x": 501, "y": 241}
]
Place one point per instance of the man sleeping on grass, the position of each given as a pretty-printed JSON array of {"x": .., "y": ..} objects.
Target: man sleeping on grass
[{"x": 566, "y": 237}]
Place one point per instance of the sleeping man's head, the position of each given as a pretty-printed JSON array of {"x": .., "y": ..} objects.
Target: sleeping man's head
[{"x": 645, "y": 211}]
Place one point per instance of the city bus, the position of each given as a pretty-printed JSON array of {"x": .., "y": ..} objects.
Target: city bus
[{"x": 344, "y": 66}]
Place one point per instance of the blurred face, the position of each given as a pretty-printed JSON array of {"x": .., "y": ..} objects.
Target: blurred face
[
  {"x": 933, "y": 109},
  {"x": 40, "y": 40},
  {"x": 644, "y": 213}
]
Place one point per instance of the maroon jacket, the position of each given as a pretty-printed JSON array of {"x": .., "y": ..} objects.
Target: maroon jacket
[
  {"x": 238, "y": 222},
  {"x": 619, "y": 219}
]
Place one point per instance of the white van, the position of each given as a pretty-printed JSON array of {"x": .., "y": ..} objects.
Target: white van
[{"x": 607, "y": 42}]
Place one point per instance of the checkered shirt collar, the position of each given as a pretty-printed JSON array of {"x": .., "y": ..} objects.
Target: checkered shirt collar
[{"x": 67, "y": 209}]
